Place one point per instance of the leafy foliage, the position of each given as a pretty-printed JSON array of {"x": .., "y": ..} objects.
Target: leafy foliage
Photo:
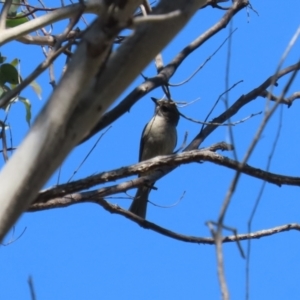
[{"x": 9, "y": 78}]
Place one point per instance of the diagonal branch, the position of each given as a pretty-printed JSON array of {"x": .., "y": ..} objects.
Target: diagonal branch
[
  {"x": 156, "y": 164},
  {"x": 51, "y": 138},
  {"x": 287, "y": 100},
  {"x": 69, "y": 11},
  {"x": 114, "y": 209},
  {"x": 238, "y": 104},
  {"x": 84, "y": 94},
  {"x": 163, "y": 77}
]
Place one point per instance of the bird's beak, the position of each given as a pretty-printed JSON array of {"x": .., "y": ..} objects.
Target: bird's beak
[{"x": 154, "y": 100}]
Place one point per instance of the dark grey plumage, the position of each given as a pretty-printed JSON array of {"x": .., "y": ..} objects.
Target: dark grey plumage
[{"x": 159, "y": 137}]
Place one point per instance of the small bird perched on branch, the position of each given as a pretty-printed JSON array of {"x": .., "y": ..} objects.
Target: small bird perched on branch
[{"x": 159, "y": 137}]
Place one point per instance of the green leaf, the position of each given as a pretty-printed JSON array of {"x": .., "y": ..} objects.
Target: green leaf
[
  {"x": 27, "y": 104},
  {"x": 2, "y": 91},
  {"x": 2, "y": 59},
  {"x": 8, "y": 73},
  {"x": 37, "y": 88},
  {"x": 11, "y": 101},
  {"x": 16, "y": 22},
  {"x": 15, "y": 62}
]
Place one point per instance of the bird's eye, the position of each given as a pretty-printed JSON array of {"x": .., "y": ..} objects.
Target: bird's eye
[{"x": 164, "y": 108}]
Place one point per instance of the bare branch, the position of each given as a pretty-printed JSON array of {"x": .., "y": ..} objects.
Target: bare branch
[
  {"x": 50, "y": 130},
  {"x": 238, "y": 104},
  {"x": 157, "y": 163},
  {"x": 165, "y": 74},
  {"x": 267, "y": 117},
  {"x": 31, "y": 288},
  {"x": 216, "y": 124},
  {"x": 288, "y": 101},
  {"x": 114, "y": 209},
  {"x": 10, "y": 34},
  {"x": 78, "y": 101},
  {"x": 205, "y": 62},
  {"x": 48, "y": 40}
]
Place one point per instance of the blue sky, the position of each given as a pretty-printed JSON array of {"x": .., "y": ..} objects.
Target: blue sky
[{"x": 84, "y": 252}]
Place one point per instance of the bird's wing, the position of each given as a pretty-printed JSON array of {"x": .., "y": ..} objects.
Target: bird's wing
[{"x": 142, "y": 143}]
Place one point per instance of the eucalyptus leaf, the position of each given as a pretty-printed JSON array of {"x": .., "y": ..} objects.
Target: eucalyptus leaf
[
  {"x": 27, "y": 105},
  {"x": 2, "y": 91},
  {"x": 37, "y": 88},
  {"x": 2, "y": 59},
  {"x": 16, "y": 22},
  {"x": 8, "y": 73},
  {"x": 15, "y": 62}
]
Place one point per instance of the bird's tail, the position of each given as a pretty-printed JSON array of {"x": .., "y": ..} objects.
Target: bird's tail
[{"x": 139, "y": 204}]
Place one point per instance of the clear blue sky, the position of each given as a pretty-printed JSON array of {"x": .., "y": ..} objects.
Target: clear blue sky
[{"x": 84, "y": 252}]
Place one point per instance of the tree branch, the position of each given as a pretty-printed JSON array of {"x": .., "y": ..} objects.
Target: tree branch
[
  {"x": 156, "y": 163},
  {"x": 165, "y": 74},
  {"x": 65, "y": 12},
  {"x": 52, "y": 137},
  {"x": 78, "y": 101},
  {"x": 114, "y": 209},
  {"x": 238, "y": 104}
]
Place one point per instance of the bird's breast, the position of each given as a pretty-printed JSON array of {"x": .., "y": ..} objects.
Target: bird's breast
[{"x": 160, "y": 138}]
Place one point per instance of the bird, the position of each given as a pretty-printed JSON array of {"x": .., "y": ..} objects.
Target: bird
[{"x": 159, "y": 137}]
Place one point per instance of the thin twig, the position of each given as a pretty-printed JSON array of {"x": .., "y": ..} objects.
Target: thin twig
[
  {"x": 218, "y": 124},
  {"x": 216, "y": 103},
  {"x": 31, "y": 288},
  {"x": 168, "y": 206},
  {"x": 205, "y": 62},
  {"x": 268, "y": 115},
  {"x": 89, "y": 153},
  {"x": 12, "y": 239}
]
